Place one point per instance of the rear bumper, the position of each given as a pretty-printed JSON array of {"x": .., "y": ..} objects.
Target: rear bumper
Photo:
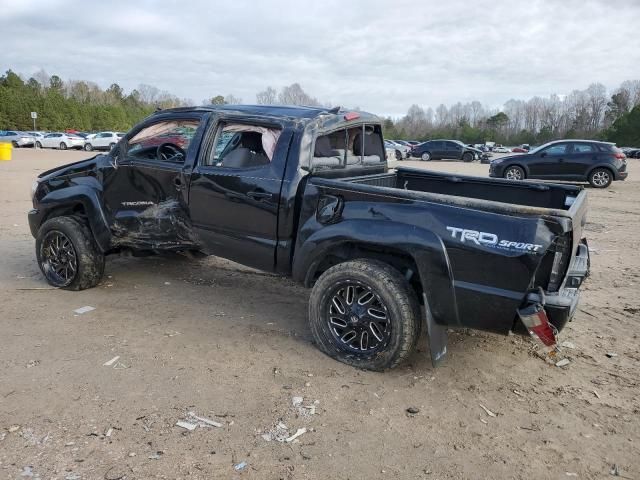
[
  {"x": 622, "y": 175},
  {"x": 550, "y": 311}
]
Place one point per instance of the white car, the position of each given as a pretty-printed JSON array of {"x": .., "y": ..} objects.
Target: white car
[
  {"x": 60, "y": 140},
  {"x": 102, "y": 141},
  {"x": 17, "y": 139},
  {"x": 501, "y": 150}
]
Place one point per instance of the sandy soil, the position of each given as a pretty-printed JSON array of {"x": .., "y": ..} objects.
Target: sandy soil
[{"x": 233, "y": 345}]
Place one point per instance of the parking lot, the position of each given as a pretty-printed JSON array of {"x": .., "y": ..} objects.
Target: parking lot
[{"x": 232, "y": 345}]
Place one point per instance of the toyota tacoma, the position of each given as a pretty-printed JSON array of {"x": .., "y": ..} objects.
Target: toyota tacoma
[{"x": 306, "y": 192}]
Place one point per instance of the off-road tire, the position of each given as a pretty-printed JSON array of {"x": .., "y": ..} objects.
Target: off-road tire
[
  {"x": 90, "y": 261},
  {"x": 396, "y": 293},
  {"x": 600, "y": 178}
]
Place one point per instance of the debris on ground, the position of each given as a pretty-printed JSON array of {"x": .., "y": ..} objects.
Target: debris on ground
[
  {"x": 108, "y": 363},
  {"x": 568, "y": 344},
  {"x": 300, "y": 431},
  {"x": 192, "y": 421},
  {"x": 615, "y": 471},
  {"x": 156, "y": 456},
  {"x": 279, "y": 433},
  {"x": 611, "y": 354},
  {"x": 85, "y": 309},
  {"x": 27, "y": 472},
  {"x": 595, "y": 392},
  {"x": 14, "y": 428},
  {"x": 204, "y": 420},
  {"x": 240, "y": 466},
  {"x": 186, "y": 425},
  {"x": 413, "y": 410},
  {"x": 563, "y": 363},
  {"x": 487, "y": 411}
]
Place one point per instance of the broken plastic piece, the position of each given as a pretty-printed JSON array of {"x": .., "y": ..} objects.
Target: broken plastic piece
[
  {"x": 563, "y": 363},
  {"x": 240, "y": 466},
  {"x": 205, "y": 420},
  {"x": 301, "y": 431},
  {"x": 489, "y": 412},
  {"x": 187, "y": 425},
  {"x": 85, "y": 309},
  {"x": 108, "y": 363}
]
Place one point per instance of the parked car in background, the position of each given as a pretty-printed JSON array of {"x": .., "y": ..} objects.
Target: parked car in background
[
  {"x": 501, "y": 149},
  {"x": 17, "y": 139},
  {"x": 598, "y": 163},
  {"x": 36, "y": 136},
  {"x": 403, "y": 149},
  {"x": 451, "y": 149},
  {"x": 102, "y": 141},
  {"x": 518, "y": 150},
  {"x": 392, "y": 151},
  {"x": 61, "y": 141},
  {"x": 631, "y": 152}
]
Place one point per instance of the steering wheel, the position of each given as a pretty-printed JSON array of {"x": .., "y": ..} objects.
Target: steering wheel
[{"x": 167, "y": 152}]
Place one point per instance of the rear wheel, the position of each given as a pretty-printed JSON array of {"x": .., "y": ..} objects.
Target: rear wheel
[
  {"x": 514, "y": 173},
  {"x": 63, "y": 146},
  {"x": 15, "y": 144},
  {"x": 600, "y": 178},
  {"x": 38, "y": 145},
  {"x": 68, "y": 255},
  {"x": 365, "y": 314},
  {"x": 88, "y": 147},
  {"x": 467, "y": 157},
  {"x": 426, "y": 156}
]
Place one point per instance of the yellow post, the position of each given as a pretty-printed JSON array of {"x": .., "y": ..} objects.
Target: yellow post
[{"x": 5, "y": 151}]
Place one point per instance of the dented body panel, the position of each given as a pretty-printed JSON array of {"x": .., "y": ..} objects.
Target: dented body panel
[{"x": 475, "y": 249}]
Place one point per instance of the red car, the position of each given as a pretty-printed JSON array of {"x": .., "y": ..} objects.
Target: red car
[{"x": 518, "y": 150}]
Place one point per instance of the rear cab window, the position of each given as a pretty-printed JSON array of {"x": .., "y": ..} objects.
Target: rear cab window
[{"x": 359, "y": 145}]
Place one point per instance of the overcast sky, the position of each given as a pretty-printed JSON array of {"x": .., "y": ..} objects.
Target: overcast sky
[{"x": 382, "y": 56}]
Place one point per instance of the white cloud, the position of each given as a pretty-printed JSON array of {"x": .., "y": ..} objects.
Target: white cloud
[{"x": 380, "y": 55}]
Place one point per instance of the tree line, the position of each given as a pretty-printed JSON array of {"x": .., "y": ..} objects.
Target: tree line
[
  {"x": 589, "y": 114},
  {"x": 83, "y": 105},
  {"x": 75, "y": 104}
]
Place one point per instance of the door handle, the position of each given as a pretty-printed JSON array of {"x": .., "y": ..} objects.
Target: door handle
[
  {"x": 258, "y": 195},
  {"x": 177, "y": 182}
]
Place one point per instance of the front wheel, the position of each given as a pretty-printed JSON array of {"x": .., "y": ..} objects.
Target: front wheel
[
  {"x": 467, "y": 157},
  {"x": 15, "y": 144},
  {"x": 514, "y": 173},
  {"x": 88, "y": 147},
  {"x": 365, "y": 314},
  {"x": 426, "y": 156},
  {"x": 63, "y": 146},
  {"x": 600, "y": 178},
  {"x": 68, "y": 255}
]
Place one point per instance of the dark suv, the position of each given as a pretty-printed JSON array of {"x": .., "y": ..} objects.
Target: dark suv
[
  {"x": 439, "y": 149},
  {"x": 598, "y": 163}
]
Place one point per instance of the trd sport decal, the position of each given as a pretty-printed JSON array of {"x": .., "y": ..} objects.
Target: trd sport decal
[{"x": 490, "y": 240}]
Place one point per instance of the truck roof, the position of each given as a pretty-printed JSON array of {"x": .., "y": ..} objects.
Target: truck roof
[{"x": 281, "y": 111}]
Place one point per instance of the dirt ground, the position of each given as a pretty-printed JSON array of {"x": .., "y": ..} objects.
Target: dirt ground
[{"x": 233, "y": 345}]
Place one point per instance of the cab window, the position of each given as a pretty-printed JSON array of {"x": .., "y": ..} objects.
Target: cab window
[
  {"x": 243, "y": 146},
  {"x": 163, "y": 141}
]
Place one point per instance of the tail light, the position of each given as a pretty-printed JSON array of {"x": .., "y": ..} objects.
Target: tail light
[
  {"x": 620, "y": 156},
  {"x": 535, "y": 319}
]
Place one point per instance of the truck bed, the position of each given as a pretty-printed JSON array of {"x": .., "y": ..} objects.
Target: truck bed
[{"x": 511, "y": 194}]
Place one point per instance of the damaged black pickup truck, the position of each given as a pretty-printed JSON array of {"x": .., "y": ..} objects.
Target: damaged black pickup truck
[{"x": 306, "y": 192}]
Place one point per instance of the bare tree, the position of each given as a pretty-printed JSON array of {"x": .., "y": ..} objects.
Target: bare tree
[
  {"x": 269, "y": 96},
  {"x": 295, "y": 95}
]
